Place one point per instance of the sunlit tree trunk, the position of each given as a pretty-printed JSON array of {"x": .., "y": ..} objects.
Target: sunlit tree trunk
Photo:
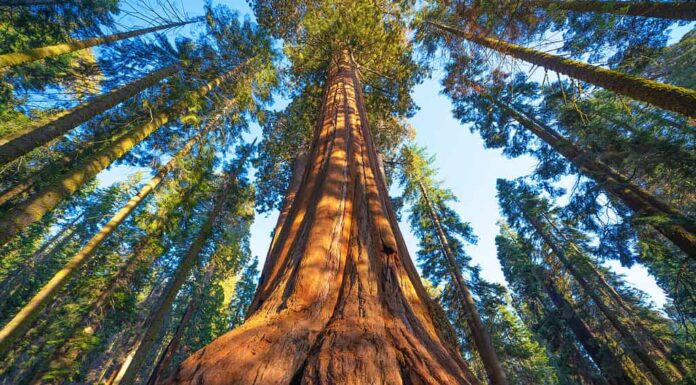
[
  {"x": 23, "y": 141},
  {"x": 482, "y": 340},
  {"x": 155, "y": 322},
  {"x": 16, "y": 58},
  {"x": 47, "y": 198},
  {"x": 631, "y": 342},
  {"x": 21, "y": 322},
  {"x": 675, "y": 10},
  {"x": 339, "y": 300},
  {"x": 666, "y": 96},
  {"x": 678, "y": 229}
]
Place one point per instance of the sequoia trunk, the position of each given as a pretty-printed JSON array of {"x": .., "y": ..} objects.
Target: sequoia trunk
[{"x": 339, "y": 300}]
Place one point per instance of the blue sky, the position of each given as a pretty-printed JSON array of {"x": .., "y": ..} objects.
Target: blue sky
[{"x": 465, "y": 166}]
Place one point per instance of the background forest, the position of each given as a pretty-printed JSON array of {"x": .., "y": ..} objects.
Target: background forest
[{"x": 539, "y": 157}]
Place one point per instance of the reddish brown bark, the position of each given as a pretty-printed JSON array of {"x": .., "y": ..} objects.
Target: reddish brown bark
[{"x": 340, "y": 301}]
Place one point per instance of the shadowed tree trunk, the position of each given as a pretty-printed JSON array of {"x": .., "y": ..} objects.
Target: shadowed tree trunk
[
  {"x": 679, "y": 229},
  {"x": 23, "y": 141},
  {"x": 675, "y": 10},
  {"x": 155, "y": 322},
  {"x": 631, "y": 342},
  {"x": 666, "y": 96},
  {"x": 339, "y": 301},
  {"x": 609, "y": 364},
  {"x": 482, "y": 340},
  {"x": 47, "y": 198},
  {"x": 173, "y": 346},
  {"x": 21, "y": 322},
  {"x": 16, "y": 58}
]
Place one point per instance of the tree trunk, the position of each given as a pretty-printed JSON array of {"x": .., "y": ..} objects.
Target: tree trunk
[
  {"x": 678, "y": 10},
  {"x": 666, "y": 96},
  {"x": 605, "y": 288},
  {"x": 25, "y": 317},
  {"x": 16, "y": 58},
  {"x": 19, "y": 276},
  {"x": 46, "y": 199},
  {"x": 631, "y": 342},
  {"x": 340, "y": 301},
  {"x": 678, "y": 229},
  {"x": 23, "y": 141},
  {"x": 156, "y": 319},
  {"x": 609, "y": 364},
  {"x": 173, "y": 345},
  {"x": 482, "y": 340}
]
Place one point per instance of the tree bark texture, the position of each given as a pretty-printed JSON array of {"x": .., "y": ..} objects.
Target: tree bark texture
[
  {"x": 26, "y": 140},
  {"x": 339, "y": 300},
  {"x": 666, "y": 96},
  {"x": 16, "y": 58},
  {"x": 673, "y": 10}
]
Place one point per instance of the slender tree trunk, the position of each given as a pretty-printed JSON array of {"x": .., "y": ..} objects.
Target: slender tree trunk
[
  {"x": 610, "y": 365},
  {"x": 23, "y": 141},
  {"x": 666, "y": 96},
  {"x": 606, "y": 289},
  {"x": 341, "y": 302},
  {"x": 173, "y": 345},
  {"x": 677, "y": 10},
  {"x": 482, "y": 340},
  {"x": 19, "y": 276},
  {"x": 631, "y": 342},
  {"x": 46, "y": 199},
  {"x": 13, "y": 59},
  {"x": 156, "y": 319},
  {"x": 679, "y": 229},
  {"x": 24, "y": 318},
  {"x": 27, "y": 3}
]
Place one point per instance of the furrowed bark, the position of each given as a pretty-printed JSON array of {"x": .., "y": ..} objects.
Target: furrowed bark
[
  {"x": 156, "y": 319},
  {"x": 679, "y": 228},
  {"x": 666, "y": 96},
  {"x": 676, "y": 10},
  {"x": 340, "y": 301},
  {"x": 21, "y": 322},
  {"x": 16, "y": 58},
  {"x": 30, "y": 211},
  {"x": 482, "y": 340},
  {"x": 23, "y": 141},
  {"x": 631, "y": 342}
]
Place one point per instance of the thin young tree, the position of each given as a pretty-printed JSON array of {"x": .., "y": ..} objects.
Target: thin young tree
[
  {"x": 13, "y": 59},
  {"x": 418, "y": 181},
  {"x": 155, "y": 321},
  {"x": 47, "y": 198},
  {"x": 23, "y": 141}
]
